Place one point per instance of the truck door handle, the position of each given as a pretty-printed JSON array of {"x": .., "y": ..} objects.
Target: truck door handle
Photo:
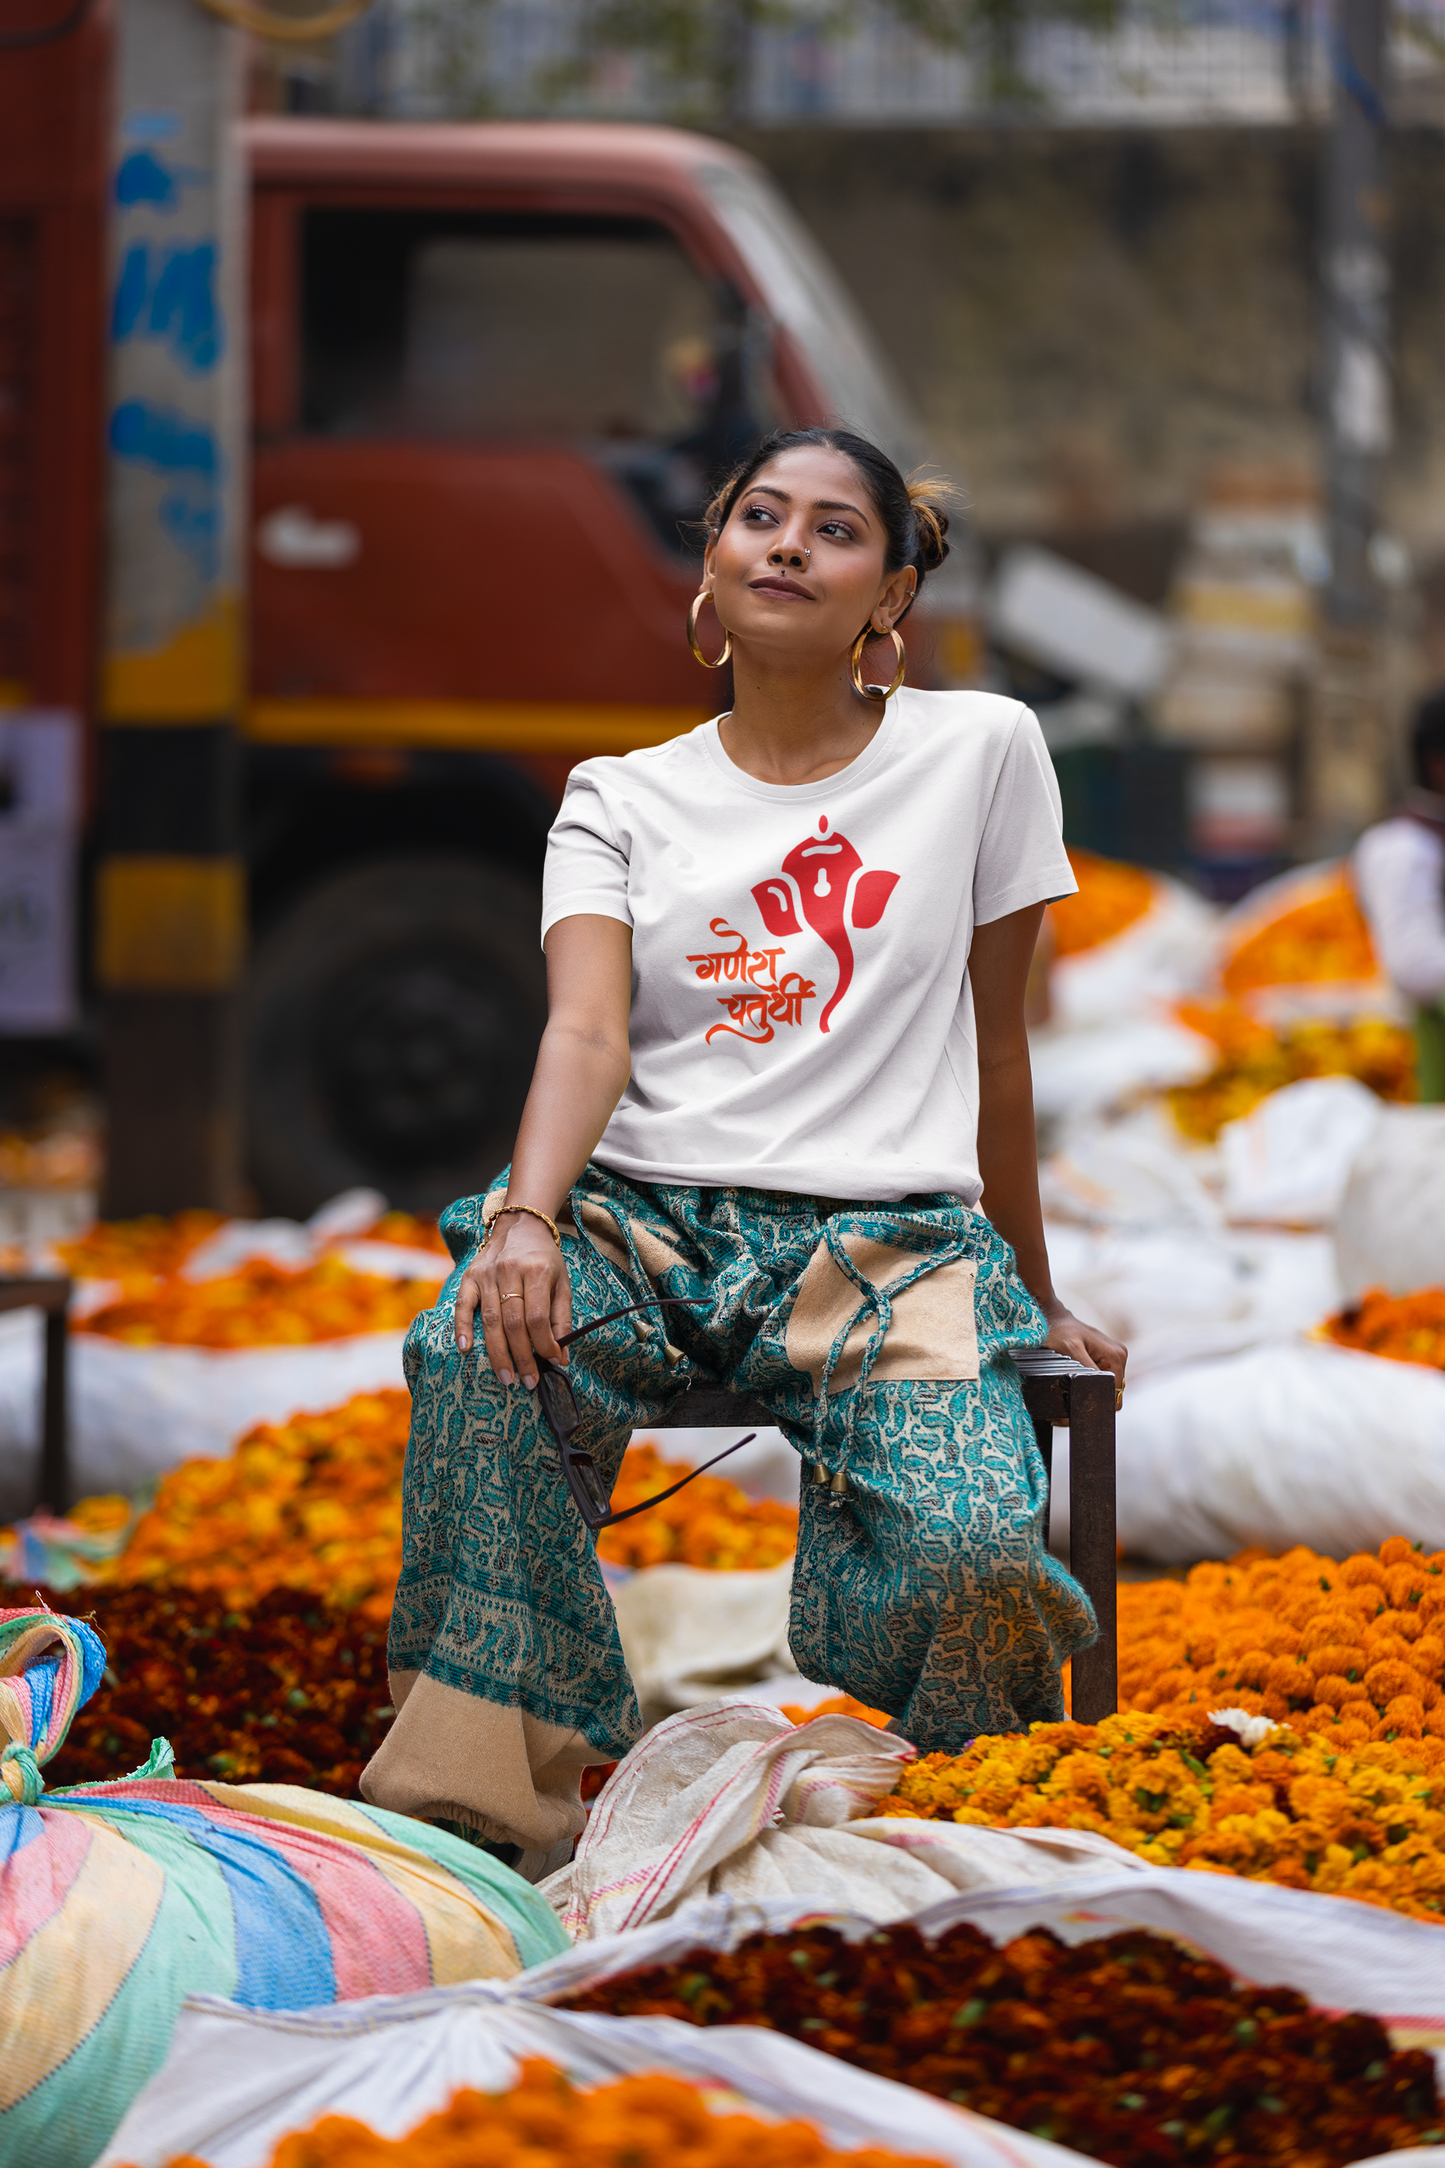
[{"x": 291, "y": 536}]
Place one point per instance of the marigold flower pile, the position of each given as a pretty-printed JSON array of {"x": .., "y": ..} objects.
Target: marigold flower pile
[
  {"x": 1255, "y": 1061},
  {"x": 1405, "y": 1328},
  {"x": 836, "y": 1705},
  {"x": 1364, "y": 1821},
  {"x": 1354, "y": 1651},
  {"x": 259, "y": 1305},
  {"x": 1129, "y": 2048},
  {"x": 138, "y": 1251},
  {"x": 289, "y": 1691},
  {"x": 315, "y": 1504},
  {"x": 545, "y": 2121},
  {"x": 1323, "y": 937},
  {"x": 310, "y": 1504},
  {"x": 712, "y": 1523},
  {"x": 1111, "y": 896}
]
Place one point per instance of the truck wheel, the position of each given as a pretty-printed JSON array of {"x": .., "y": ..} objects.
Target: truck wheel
[{"x": 393, "y": 1020}]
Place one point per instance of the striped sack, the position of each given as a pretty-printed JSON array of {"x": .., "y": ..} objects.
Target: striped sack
[{"x": 118, "y": 1900}]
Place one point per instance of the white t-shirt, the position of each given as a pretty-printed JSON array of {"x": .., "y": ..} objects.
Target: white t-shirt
[
  {"x": 1399, "y": 869},
  {"x": 801, "y": 1018}
]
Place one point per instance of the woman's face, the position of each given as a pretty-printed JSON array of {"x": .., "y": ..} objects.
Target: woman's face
[{"x": 798, "y": 568}]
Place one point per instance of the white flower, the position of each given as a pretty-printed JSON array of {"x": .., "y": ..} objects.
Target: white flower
[{"x": 1252, "y": 1731}]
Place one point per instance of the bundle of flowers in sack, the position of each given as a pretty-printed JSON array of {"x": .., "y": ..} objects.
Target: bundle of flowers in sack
[
  {"x": 1111, "y": 897},
  {"x": 311, "y": 1504},
  {"x": 263, "y": 1305},
  {"x": 263, "y": 1302},
  {"x": 138, "y": 1251},
  {"x": 1354, "y": 1651},
  {"x": 712, "y": 1523},
  {"x": 1130, "y": 2048},
  {"x": 1304, "y": 930},
  {"x": 1403, "y": 1328},
  {"x": 1243, "y": 1797},
  {"x": 288, "y": 1691},
  {"x": 1255, "y": 1060},
  {"x": 154, "y": 1247},
  {"x": 545, "y": 2121}
]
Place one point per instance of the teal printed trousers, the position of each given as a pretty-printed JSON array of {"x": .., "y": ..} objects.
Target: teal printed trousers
[{"x": 876, "y": 1337}]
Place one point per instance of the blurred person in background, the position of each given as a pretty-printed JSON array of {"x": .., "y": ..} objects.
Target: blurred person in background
[
  {"x": 1399, "y": 877},
  {"x": 785, "y": 1061}
]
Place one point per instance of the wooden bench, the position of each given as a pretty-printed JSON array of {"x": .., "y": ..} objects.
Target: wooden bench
[
  {"x": 1057, "y": 1391},
  {"x": 51, "y": 1296}
]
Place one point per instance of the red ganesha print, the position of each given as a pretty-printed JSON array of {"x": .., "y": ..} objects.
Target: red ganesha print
[{"x": 825, "y": 875}]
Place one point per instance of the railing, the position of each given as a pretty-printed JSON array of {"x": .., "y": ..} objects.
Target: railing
[{"x": 1160, "y": 63}]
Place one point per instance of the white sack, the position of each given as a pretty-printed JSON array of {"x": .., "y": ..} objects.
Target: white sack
[
  {"x": 1288, "y": 1160},
  {"x": 1291, "y": 1442},
  {"x": 691, "y": 1635},
  {"x": 1084, "y": 1072},
  {"x": 1391, "y": 1227},
  {"x": 1163, "y": 955},
  {"x": 733, "y": 1801},
  {"x": 136, "y": 1412},
  {"x": 1174, "y": 1295},
  {"x": 237, "y": 2080},
  {"x": 1134, "y": 1173},
  {"x": 1343, "y": 1955}
]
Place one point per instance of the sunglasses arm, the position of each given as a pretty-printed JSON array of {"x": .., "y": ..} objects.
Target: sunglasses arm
[
  {"x": 654, "y": 1302},
  {"x": 672, "y": 1490}
]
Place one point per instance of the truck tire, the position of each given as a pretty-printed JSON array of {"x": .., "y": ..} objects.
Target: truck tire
[{"x": 393, "y": 1017}]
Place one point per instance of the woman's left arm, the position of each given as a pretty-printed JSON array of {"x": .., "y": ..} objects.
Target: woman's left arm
[{"x": 998, "y": 969}]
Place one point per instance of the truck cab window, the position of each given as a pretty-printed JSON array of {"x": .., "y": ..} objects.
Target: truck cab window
[{"x": 597, "y": 333}]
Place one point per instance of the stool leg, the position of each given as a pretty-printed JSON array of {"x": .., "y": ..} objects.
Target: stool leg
[
  {"x": 1044, "y": 1437},
  {"x": 1093, "y": 1543},
  {"x": 54, "y": 1460}
]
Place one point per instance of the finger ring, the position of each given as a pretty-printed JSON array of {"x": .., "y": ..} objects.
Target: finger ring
[
  {"x": 1118, "y": 1399},
  {"x": 514, "y": 1297}
]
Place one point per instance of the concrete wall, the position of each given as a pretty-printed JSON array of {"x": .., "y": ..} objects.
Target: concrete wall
[{"x": 1091, "y": 322}]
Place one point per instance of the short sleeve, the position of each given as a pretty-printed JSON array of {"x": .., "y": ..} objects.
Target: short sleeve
[
  {"x": 1021, "y": 857},
  {"x": 587, "y": 866}
]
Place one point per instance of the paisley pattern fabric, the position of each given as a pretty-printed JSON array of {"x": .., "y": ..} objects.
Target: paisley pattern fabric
[{"x": 925, "y": 1590}]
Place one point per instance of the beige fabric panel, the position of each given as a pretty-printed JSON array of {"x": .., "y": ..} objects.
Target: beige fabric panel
[
  {"x": 933, "y": 1334},
  {"x": 448, "y": 1752},
  {"x": 656, "y": 1255},
  {"x": 598, "y": 1222}
]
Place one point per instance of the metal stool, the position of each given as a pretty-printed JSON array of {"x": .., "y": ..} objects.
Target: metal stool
[
  {"x": 1057, "y": 1390},
  {"x": 53, "y": 1297}
]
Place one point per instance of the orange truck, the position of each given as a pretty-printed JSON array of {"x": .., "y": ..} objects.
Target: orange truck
[{"x": 495, "y": 371}]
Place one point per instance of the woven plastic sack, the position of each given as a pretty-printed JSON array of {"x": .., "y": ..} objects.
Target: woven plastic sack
[
  {"x": 1290, "y": 1442},
  {"x": 137, "y": 1412},
  {"x": 1391, "y": 1227},
  {"x": 119, "y": 1900},
  {"x": 238, "y": 2080}
]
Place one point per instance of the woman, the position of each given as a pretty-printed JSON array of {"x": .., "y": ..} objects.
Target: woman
[{"x": 758, "y": 1090}]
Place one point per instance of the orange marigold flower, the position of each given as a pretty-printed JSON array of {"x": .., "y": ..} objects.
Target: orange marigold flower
[{"x": 1111, "y": 896}]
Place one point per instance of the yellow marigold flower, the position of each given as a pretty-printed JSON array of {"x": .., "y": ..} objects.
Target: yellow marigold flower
[{"x": 1315, "y": 1810}]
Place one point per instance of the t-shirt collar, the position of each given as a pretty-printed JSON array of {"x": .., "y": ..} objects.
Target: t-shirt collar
[{"x": 804, "y": 793}]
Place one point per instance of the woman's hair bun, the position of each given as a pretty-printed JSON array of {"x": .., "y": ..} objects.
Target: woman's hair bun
[{"x": 928, "y": 494}]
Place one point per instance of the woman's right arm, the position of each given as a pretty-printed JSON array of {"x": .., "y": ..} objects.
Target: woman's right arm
[{"x": 583, "y": 1065}]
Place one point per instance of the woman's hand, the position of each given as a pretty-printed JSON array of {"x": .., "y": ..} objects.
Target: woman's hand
[
  {"x": 520, "y": 1289},
  {"x": 1068, "y": 1335}
]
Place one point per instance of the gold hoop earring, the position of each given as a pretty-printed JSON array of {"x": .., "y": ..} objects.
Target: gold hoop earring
[
  {"x": 855, "y": 663},
  {"x": 698, "y": 600}
]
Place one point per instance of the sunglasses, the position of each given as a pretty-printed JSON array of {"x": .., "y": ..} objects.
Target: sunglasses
[{"x": 559, "y": 1409}]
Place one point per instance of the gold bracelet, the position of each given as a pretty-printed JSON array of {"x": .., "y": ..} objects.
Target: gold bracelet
[{"x": 531, "y": 1209}]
